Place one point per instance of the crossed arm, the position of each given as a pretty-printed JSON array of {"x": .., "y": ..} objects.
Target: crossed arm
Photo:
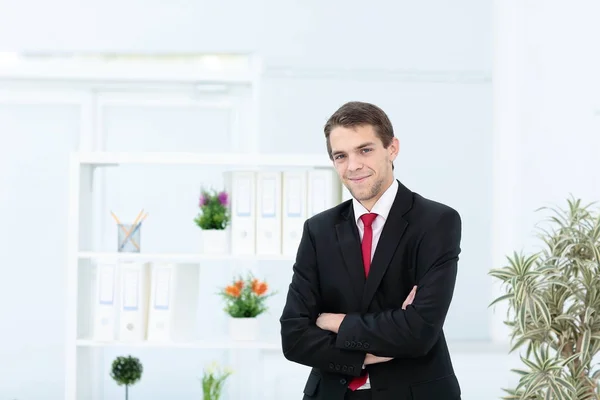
[
  {"x": 331, "y": 322},
  {"x": 320, "y": 340},
  {"x": 302, "y": 340}
]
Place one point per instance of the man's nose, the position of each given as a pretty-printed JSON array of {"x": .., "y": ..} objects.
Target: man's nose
[{"x": 354, "y": 163}]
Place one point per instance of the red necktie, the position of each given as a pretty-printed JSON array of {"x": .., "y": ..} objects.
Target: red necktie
[{"x": 366, "y": 245}]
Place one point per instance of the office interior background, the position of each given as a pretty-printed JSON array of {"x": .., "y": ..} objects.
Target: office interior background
[{"x": 496, "y": 105}]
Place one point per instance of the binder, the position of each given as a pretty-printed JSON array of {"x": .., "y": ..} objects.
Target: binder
[
  {"x": 243, "y": 212},
  {"x": 134, "y": 290},
  {"x": 160, "y": 313},
  {"x": 294, "y": 210},
  {"x": 268, "y": 217},
  {"x": 104, "y": 307}
]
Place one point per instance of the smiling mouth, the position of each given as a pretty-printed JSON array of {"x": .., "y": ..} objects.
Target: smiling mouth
[{"x": 358, "y": 179}]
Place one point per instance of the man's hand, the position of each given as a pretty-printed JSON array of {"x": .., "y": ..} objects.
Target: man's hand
[
  {"x": 410, "y": 297},
  {"x": 371, "y": 359},
  {"x": 330, "y": 322}
]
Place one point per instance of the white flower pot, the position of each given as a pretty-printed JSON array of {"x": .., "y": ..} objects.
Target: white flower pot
[
  {"x": 243, "y": 329},
  {"x": 215, "y": 241}
]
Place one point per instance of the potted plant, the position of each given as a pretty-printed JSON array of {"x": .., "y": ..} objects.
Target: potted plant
[
  {"x": 213, "y": 219},
  {"x": 554, "y": 304},
  {"x": 244, "y": 301},
  {"x": 126, "y": 371},
  {"x": 213, "y": 380}
]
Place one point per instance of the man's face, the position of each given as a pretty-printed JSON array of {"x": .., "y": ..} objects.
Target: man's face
[{"x": 361, "y": 161}]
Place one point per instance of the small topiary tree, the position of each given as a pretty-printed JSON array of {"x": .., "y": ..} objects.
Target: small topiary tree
[{"x": 126, "y": 371}]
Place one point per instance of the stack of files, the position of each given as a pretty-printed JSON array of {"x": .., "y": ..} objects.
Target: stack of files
[
  {"x": 269, "y": 208},
  {"x": 133, "y": 301}
]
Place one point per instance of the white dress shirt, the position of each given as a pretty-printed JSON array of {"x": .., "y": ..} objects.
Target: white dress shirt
[{"x": 382, "y": 208}]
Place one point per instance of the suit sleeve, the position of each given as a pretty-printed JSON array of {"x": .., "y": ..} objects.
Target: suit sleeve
[
  {"x": 414, "y": 331},
  {"x": 302, "y": 340}
]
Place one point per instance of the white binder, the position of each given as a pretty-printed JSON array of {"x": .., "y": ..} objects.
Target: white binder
[
  {"x": 268, "y": 213},
  {"x": 134, "y": 289},
  {"x": 104, "y": 307},
  {"x": 243, "y": 212},
  {"x": 160, "y": 312},
  {"x": 294, "y": 210},
  {"x": 324, "y": 190}
]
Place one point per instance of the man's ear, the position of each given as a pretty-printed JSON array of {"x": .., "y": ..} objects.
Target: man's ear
[{"x": 394, "y": 149}]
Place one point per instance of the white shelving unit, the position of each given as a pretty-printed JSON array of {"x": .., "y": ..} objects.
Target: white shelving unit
[{"x": 83, "y": 165}]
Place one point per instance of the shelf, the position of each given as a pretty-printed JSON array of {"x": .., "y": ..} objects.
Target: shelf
[
  {"x": 225, "y": 344},
  {"x": 456, "y": 347},
  {"x": 73, "y": 69},
  {"x": 179, "y": 258},
  {"x": 100, "y": 159}
]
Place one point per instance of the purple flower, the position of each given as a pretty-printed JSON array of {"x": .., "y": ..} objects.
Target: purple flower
[
  {"x": 223, "y": 198},
  {"x": 203, "y": 201}
]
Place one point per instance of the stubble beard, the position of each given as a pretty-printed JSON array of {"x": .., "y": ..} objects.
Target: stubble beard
[{"x": 369, "y": 193}]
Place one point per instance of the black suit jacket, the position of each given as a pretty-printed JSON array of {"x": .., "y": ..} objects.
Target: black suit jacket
[{"x": 419, "y": 245}]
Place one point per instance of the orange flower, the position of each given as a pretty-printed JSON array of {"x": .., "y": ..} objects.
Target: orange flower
[
  {"x": 239, "y": 284},
  {"x": 254, "y": 284},
  {"x": 260, "y": 288},
  {"x": 233, "y": 291}
]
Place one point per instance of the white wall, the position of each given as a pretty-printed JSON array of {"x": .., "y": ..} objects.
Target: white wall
[
  {"x": 433, "y": 35},
  {"x": 561, "y": 129},
  {"x": 36, "y": 140},
  {"x": 546, "y": 128}
]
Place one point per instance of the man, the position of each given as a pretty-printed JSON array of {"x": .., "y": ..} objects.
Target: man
[{"x": 373, "y": 277}]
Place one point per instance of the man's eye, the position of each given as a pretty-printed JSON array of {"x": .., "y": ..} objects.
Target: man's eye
[{"x": 339, "y": 157}]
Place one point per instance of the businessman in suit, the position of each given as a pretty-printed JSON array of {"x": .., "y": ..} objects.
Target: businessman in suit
[{"x": 373, "y": 277}]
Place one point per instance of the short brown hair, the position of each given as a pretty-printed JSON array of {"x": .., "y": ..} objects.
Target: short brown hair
[{"x": 356, "y": 113}]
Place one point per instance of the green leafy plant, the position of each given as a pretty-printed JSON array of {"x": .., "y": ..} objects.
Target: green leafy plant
[
  {"x": 554, "y": 303},
  {"x": 213, "y": 381},
  {"x": 245, "y": 298},
  {"x": 214, "y": 210},
  {"x": 126, "y": 371}
]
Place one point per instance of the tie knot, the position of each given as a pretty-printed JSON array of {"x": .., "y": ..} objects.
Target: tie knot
[{"x": 368, "y": 219}]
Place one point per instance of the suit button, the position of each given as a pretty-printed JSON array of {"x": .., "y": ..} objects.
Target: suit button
[
  {"x": 331, "y": 366},
  {"x": 337, "y": 367},
  {"x": 359, "y": 344},
  {"x": 351, "y": 369},
  {"x": 366, "y": 345},
  {"x": 347, "y": 343},
  {"x": 353, "y": 344},
  {"x": 345, "y": 368},
  {"x": 343, "y": 381}
]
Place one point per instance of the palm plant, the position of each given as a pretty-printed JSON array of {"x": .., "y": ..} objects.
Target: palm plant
[{"x": 554, "y": 303}]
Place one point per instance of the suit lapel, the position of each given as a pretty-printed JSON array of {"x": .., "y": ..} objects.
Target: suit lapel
[
  {"x": 392, "y": 232},
  {"x": 349, "y": 242}
]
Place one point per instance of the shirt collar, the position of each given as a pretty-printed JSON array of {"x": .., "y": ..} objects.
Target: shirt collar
[{"x": 382, "y": 207}]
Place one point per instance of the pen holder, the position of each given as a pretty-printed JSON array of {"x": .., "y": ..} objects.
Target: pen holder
[{"x": 128, "y": 238}]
